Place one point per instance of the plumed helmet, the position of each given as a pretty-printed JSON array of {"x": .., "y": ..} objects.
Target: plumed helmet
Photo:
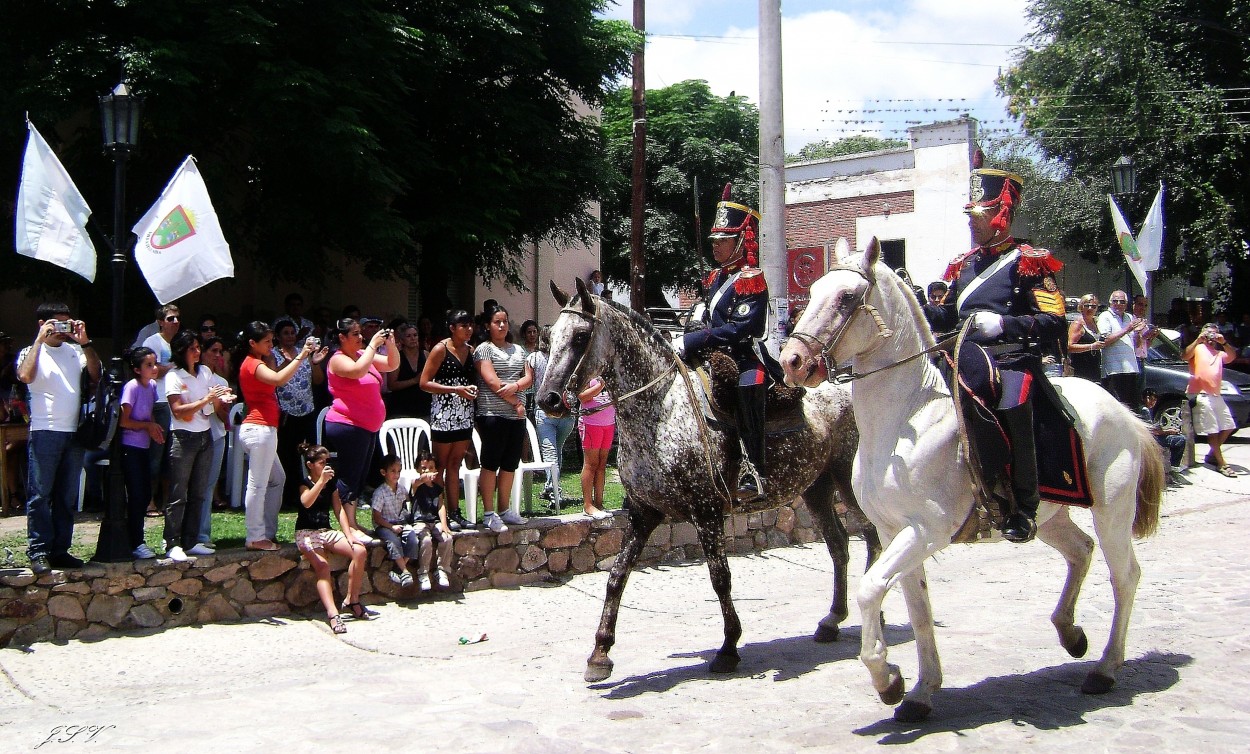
[{"x": 990, "y": 190}]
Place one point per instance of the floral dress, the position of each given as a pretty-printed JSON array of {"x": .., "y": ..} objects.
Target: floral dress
[
  {"x": 449, "y": 412},
  {"x": 295, "y": 397}
]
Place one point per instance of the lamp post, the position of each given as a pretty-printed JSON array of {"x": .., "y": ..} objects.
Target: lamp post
[
  {"x": 1124, "y": 183},
  {"x": 119, "y": 119}
]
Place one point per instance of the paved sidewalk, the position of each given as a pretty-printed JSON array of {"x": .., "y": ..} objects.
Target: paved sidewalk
[{"x": 404, "y": 683}]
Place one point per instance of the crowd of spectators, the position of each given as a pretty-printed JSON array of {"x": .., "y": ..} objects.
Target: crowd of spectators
[{"x": 467, "y": 374}]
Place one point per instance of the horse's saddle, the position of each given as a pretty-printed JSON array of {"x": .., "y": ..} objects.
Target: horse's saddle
[
  {"x": 719, "y": 375},
  {"x": 1061, "y": 472}
]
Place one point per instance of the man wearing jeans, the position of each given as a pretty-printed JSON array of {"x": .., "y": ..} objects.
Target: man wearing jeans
[{"x": 52, "y": 369}]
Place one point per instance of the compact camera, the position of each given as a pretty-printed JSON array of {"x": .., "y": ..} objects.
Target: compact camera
[
  {"x": 65, "y": 326},
  {"x": 314, "y": 342}
]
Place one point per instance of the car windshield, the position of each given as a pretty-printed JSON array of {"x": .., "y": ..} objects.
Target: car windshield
[{"x": 1163, "y": 348}]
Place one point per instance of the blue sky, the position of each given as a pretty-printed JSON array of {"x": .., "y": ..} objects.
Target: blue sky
[{"x": 849, "y": 66}]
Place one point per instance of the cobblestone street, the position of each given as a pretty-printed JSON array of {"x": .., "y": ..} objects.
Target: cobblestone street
[{"x": 404, "y": 683}]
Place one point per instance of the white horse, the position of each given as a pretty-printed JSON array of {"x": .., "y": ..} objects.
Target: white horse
[{"x": 909, "y": 446}]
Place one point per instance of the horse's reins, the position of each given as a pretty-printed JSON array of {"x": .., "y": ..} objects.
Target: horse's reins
[
  {"x": 678, "y": 365},
  {"x": 824, "y": 352}
]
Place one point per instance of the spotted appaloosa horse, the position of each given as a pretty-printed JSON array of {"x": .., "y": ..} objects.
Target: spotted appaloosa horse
[
  {"x": 911, "y": 478},
  {"x": 673, "y": 464}
]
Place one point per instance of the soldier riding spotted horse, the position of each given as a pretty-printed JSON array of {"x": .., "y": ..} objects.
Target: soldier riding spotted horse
[
  {"x": 734, "y": 320},
  {"x": 1008, "y": 290}
]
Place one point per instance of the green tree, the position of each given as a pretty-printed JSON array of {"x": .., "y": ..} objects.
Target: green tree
[
  {"x": 821, "y": 150},
  {"x": 691, "y": 133},
  {"x": 393, "y": 135},
  {"x": 1162, "y": 81}
]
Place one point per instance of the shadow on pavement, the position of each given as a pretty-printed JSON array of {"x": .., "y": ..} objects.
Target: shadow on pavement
[
  {"x": 787, "y": 658},
  {"x": 1047, "y": 699}
]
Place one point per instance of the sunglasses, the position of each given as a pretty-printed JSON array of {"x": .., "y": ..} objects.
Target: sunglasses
[
  {"x": 1119, "y": 301},
  {"x": 172, "y": 318},
  {"x": 1089, "y": 306},
  {"x": 208, "y": 328}
]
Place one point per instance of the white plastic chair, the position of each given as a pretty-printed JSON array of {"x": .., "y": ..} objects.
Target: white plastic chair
[
  {"x": 236, "y": 457},
  {"x": 468, "y": 481},
  {"x": 404, "y": 438},
  {"x": 321, "y": 430},
  {"x": 538, "y": 464}
]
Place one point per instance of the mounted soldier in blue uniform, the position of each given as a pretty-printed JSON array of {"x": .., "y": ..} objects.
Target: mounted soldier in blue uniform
[
  {"x": 1008, "y": 289},
  {"x": 735, "y": 321}
]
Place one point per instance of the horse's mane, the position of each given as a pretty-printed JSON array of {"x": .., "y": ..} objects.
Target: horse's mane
[
  {"x": 882, "y": 270},
  {"x": 639, "y": 321}
]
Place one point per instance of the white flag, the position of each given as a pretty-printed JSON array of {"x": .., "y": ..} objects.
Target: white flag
[
  {"x": 51, "y": 214},
  {"x": 1150, "y": 237},
  {"x": 1131, "y": 255},
  {"x": 181, "y": 246}
]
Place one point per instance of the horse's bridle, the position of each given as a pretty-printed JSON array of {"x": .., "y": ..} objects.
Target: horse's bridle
[
  {"x": 574, "y": 378},
  {"x": 824, "y": 351},
  {"x": 824, "y": 356}
]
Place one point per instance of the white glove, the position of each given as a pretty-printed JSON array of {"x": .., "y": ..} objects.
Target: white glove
[
  {"x": 987, "y": 325},
  {"x": 679, "y": 344}
]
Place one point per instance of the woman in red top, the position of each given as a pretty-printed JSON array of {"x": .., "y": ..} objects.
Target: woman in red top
[
  {"x": 355, "y": 378},
  {"x": 259, "y": 432}
]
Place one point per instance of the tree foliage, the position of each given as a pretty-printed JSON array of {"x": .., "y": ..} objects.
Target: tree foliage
[
  {"x": 389, "y": 134},
  {"x": 821, "y": 150},
  {"x": 1162, "y": 81},
  {"x": 691, "y": 133}
]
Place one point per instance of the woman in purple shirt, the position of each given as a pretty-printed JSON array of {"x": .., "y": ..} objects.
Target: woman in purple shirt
[{"x": 138, "y": 432}]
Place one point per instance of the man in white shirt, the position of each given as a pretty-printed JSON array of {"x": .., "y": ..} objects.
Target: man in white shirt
[
  {"x": 170, "y": 320},
  {"x": 52, "y": 369},
  {"x": 1119, "y": 331}
]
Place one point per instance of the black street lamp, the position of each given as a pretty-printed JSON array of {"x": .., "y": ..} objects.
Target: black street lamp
[
  {"x": 1124, "y": 176},
  {"x": 119, "y": 118}
]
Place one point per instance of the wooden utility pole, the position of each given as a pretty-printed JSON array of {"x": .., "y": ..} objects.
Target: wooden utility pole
[{"x": 637, "y": 261}]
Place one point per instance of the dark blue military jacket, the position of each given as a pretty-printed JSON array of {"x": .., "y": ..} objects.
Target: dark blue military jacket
[
  {"x": 740, "y": 316},
  {"x": 1023, "y": 291}
]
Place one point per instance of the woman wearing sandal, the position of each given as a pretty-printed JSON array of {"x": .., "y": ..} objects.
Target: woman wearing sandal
[
  {"x": 1207, "y": 355},
  {"x": 259, "y": 431},
  {"x": 318, "y": 495}
]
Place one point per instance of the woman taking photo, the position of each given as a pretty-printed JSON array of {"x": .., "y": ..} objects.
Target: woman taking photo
[
  {"x": 448, "y": 375},
  {"x": 351, "y": 429},
  {"x": 295, "y": 400},
  {"x": 529, "y": 341},
  {"x": 192, "y": 397},
  {"x": 258, "y": 434},
  {"x": 1084, "y": 343},
  {"x": 407, "y": 399},
  {"x": 502, "y": 377}
]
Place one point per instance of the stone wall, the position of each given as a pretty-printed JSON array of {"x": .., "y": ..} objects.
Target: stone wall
[{"x": 104, "y": 599}]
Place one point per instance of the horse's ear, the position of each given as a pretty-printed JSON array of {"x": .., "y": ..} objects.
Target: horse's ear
[
  {"x": 560, "y": 296},
  {"x": 872, "y": 255},
  {"x": 583, "y": 294},
  {"x": 841, "y": 250}
]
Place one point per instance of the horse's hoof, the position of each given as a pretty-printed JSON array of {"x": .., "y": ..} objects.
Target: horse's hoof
[
  {"x": 1097, "y": 683},
  {"x": 911, "y": 711},
  {"x": 893, "y": 693},
  {"x": 597, "y": 672},
  {"x": 724, "y": 663},
  {"x": 1080, "y": 646},
  {"x": 826, "y": 634}
]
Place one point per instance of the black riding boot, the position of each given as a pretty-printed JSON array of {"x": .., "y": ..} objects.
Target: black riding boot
[
  {"x": 751, "y": 430},
  {"x": 1021, "y": 524}
]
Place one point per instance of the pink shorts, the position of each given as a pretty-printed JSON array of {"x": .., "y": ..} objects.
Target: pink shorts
[{"x": 596, "y": 436}]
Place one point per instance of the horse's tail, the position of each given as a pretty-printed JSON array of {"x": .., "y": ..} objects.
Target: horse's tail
[{"x": 1150, "y": 482}]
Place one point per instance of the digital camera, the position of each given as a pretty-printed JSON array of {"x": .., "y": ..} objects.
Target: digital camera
[{"x": 61, "y": 325}]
